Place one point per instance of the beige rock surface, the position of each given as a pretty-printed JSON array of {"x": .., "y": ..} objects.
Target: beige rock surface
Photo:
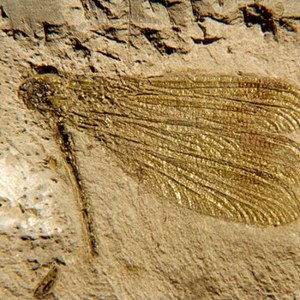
[{"x": 149, "y": 248}]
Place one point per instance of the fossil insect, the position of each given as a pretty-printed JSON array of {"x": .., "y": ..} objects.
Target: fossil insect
[{"x": 221, "y": 146}]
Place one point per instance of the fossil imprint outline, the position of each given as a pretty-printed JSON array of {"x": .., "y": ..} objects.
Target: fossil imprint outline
[{"x": 219, "y": 145}]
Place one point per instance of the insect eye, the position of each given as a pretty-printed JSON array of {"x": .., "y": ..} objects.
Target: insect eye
[
  {"x": 42, "y": 91},
  {"x": 36, "y": 94}
]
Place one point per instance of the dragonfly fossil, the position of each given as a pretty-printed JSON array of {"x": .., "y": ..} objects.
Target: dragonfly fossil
[{"x": 219, "y": 145}]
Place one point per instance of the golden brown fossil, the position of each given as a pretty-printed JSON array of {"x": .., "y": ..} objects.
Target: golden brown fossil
[
  {"x": 46, "y": 286},
  {"x": 219, "y": 145}
]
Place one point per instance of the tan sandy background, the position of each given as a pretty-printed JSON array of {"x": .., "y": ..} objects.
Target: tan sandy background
[{"x": 149, "y": 248}]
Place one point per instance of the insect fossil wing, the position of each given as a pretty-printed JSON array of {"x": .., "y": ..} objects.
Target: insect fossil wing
[
  {"x": 216, "y": 174},
  {"x": 216, "y": 144},
  {"x": 257, "y": 104}
]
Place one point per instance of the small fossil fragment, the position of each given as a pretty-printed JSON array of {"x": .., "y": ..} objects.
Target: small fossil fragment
[
  {"x": 45, "y": 287},
  {"x": 219, "y": 145}
]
